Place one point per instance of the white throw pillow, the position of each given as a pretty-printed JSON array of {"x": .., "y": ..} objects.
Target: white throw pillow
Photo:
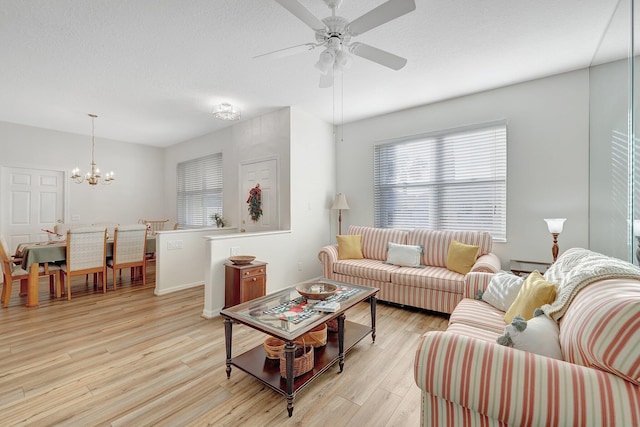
[
  {"x": 404, "y": 255},
  {"x": 503, "y": 290},
  {"x": 540, "y": 336}
]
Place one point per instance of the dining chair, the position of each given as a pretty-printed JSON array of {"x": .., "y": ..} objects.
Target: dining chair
[
  {"x": 154, "y": 225},
  {"x": 129, "y": 250},
  {"x": 86, "y": 254},
  {"x": 12, "y": 272},
  {"x": 110, "y": 226}
]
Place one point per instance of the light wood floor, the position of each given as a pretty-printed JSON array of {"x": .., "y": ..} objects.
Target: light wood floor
[{"x": 129, "y": 358}]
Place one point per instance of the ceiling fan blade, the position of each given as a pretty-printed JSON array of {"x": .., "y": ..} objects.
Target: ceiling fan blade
[
  {"x": 326, "y": 79},
  {"x": 287, "y": 51},
  {"x": 302, "y": 13},
  {"x": 386, "y": 12},
  {"x": 380, "y": 56}
]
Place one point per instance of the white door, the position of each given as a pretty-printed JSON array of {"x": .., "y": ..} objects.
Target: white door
[
  {"x": 32, "y": 200},
  {"x": 264, "y": 173}
]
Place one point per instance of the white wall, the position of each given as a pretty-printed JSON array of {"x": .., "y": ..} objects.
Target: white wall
[
  {"x": 291, "y": 255},
  {"x": 258, "y": 138},
  {"x": 136, "y": 193},
  {"x": 547, "y": 157}
]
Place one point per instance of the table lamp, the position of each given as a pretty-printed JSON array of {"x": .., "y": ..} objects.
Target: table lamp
[
  {"x": 340, "y": 203},
  {"x": 555, "y": 227}
]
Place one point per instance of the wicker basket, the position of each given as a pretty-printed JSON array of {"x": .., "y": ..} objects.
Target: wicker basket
[
  {"x": 302, "y": 361},
  {"x": 273, "y": 347},
  {"x": 317, "y": 337}
]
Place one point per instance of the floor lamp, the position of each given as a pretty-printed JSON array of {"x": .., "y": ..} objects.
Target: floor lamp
[
  {"x": 555, "y": 228},
  {"x": 340, "y": 203}
]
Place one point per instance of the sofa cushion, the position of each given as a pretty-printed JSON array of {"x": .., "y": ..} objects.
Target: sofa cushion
[
  {"x": 479, "y": 314},
  {"x": 375, "y": 240},
  {"x": 436, "y": 278},
  {"x": 534, "y": 293},
  {"x": 538, "y": 335},
  {"x": 461, "y": 257},
  {"x": 601, "y": 328},
  {"x": 502, "y": 290},
  {"x": 365, "y": 269},
  {"x": 472, "y": 332},
  {"x": 436, "y": 243},
  {"x": 350, "y": 247},
  {"x": 404, "y": 255}
]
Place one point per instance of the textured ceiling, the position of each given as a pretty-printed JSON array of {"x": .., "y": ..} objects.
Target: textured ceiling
[{"x": 152, "y": 69}]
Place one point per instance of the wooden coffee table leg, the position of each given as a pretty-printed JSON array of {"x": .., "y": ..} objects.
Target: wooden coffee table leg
[
  {"x": 341, "y": 340},
  {"x": 373, "y": 301},
  {"x": 227, "y": 339},
  {"x": 289, "y": 351}
]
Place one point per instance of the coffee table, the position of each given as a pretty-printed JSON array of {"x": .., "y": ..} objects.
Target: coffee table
[{"x": 270, "y": 314}]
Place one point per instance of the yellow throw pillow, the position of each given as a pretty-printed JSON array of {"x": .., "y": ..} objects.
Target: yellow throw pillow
[
  {"x": 461, "y": 257},
  {"x": 535, "y": 292},
  {"x": 350, "y": 246}
]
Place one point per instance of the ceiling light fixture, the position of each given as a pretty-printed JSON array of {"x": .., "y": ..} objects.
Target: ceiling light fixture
[
  {"x": 94, "y": 176},
  {"x": 226, "y": 112}
]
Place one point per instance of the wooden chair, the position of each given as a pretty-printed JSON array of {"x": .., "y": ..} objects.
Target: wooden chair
[
  {"x": 153, "y": 225},
  {"x": 129, "y": 250},
  {"x": 12, "y": 272},
  {"x": 86, "y": 254}
]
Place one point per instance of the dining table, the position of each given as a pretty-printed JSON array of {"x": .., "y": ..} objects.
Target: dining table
[{"x": 34, "y": 254}]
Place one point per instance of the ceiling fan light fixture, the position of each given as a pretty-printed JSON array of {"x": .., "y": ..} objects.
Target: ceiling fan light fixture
[
  {"x": 342, "y": 62},
  {"x": 326, "y": 61},
  {"x": 226, "y": 111}
]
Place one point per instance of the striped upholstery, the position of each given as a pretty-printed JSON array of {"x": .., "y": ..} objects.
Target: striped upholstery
[
  {"x": 475, "y": 282},
  {"x": 365, "y": 269},
  {"x": 436, "y": 243},
  {"x": 428, "y": 299},
  {"x": 478, "y": 314},
  {"x": 433, "y": 287},
  {"x": 436, "y": 278},
  {"x": 467, "y": 381},
  {"x": 601, "y": 328},
  {"x": 376, "y": 240},
  {"x": 475, "y": 332}
]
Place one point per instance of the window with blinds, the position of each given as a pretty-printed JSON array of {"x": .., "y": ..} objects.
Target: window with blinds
[
  {"x": 450, "y": 180},
  {"x": 199, "y": 190}
]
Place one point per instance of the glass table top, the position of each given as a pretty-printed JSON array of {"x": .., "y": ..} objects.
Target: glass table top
[{"x": 288, "y": 312}]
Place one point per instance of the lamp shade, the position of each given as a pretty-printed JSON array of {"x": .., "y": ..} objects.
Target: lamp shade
[
  {"x": 340, "y": 202},
  {"x": 555, "y": 224}
]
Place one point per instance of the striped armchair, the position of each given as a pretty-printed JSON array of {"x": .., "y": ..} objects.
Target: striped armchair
[
  {"x": 466, "y": 378},
  {"x": 432, "y": 287}
]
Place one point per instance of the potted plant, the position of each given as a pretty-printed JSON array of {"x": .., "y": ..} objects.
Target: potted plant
[{"x": 220, "y": 221}]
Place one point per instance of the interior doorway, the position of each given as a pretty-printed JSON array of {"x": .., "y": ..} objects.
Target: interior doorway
[
  {"x": 32, "y": 200},
  {"x": 264, "y": 173}
]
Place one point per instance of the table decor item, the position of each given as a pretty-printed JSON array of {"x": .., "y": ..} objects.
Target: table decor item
[
  {"x": 273, "y": 347},
  {"x": 317, "y": 337},
  {"x": 316, "y": 290},
  {"x": 302, "y": 361},
  {"x": 242, "y": 259}
]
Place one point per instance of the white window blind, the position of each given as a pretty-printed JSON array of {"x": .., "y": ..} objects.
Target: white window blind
[
  {"x": 199, "y": 190},
  {"x": 450, "y": 180}
]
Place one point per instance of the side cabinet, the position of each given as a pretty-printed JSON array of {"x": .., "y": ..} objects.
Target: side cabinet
[{"x": 244, "y": 282}]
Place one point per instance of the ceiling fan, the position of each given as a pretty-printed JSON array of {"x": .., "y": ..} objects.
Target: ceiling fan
[{"x": 334, "y": 33}]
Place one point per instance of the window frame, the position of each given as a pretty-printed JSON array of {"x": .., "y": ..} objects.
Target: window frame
[{"x": 199, "y": 181}]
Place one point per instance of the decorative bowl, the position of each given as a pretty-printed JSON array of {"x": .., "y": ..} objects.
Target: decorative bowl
[
  {"x": 316, "y": 290},
  {"x": 242, "y": 259}
]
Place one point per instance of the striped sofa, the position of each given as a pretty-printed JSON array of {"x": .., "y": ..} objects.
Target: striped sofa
[
  {"x": 468, "y": 379},
  {"x": 432, "y": 287}
]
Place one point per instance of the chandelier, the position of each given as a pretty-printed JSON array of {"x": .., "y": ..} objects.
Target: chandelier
[{"x": 94, "y": 176}]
